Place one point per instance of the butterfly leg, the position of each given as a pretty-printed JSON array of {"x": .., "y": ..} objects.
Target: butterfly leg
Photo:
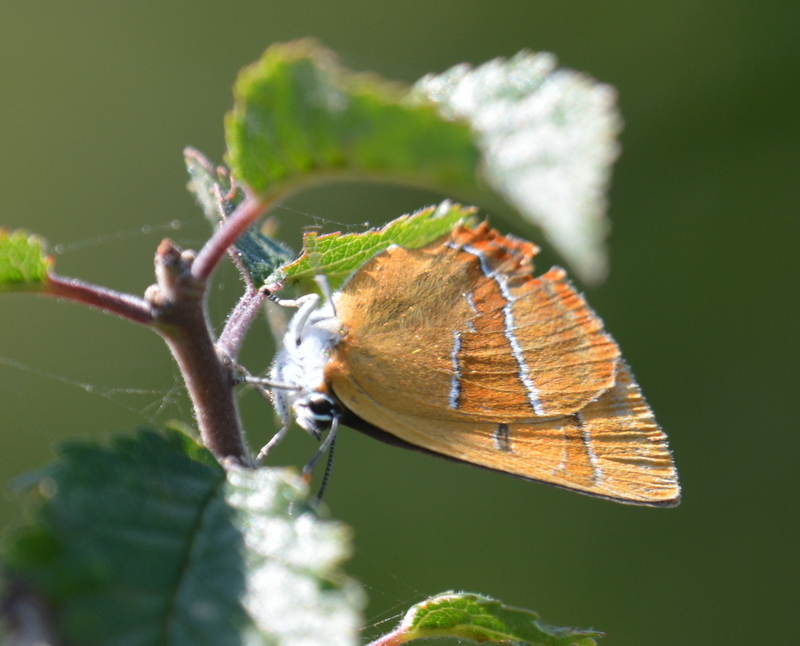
[
  {"x": 305, "y": 306},
  {"x": 260, "y": 384},
  {"x": 293, "y": 302},
  {"x": 272, "y": 443},
  {"x": 283, "y": 413}
]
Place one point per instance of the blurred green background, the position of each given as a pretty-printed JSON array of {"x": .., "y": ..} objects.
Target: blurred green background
[{"x": 97, "y": 101}]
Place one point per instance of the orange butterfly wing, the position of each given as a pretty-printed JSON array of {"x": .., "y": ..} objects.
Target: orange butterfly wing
[
  {"x": 522, "y": 347},
  {"x": 612, "y": 449},
  {"x": 457, "y": 349}
]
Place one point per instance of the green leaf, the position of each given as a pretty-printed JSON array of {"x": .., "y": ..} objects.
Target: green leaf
[
  {"x": 219, "y": 196},
  {"x": 24, "y": 263},
  {"x": 338, "y": 255},
  {"x": 477, "y": 618},
  {"x": 300, "y": 117},
  {"x": 518, "y": 135},
  {"x": 548, "y": 138},
  {"x": 149, "y": 541},
  {"x": 211, "y": 185}
]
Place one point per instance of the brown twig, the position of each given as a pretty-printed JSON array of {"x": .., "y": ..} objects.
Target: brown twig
[
  {"x": 178, "y": 302},
  {"x": 176, "y": 308},
  {"x": 127, "y": 306},
  {"x": 239, "y": 322},
  {"x": 216, "y": 247}
]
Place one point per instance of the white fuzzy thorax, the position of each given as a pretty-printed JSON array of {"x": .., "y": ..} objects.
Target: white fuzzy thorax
[{"x": 300, "y": 364}]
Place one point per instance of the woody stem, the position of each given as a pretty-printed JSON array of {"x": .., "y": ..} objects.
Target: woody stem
[
  {"x": 175, "y": 307},
  {"x": 179, "y": 303}
]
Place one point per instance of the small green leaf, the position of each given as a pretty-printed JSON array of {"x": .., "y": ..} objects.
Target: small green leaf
[
  {"x": 262, "y": 256},
  {"x": 23, "y": 262},
  {"x": 150, "y": 541},
  {"x": 338, "y": 255},
  {"x": 219, "y": 196},
  {"x": 478, "y": 618},
  {"x": 211, "y": 185}
]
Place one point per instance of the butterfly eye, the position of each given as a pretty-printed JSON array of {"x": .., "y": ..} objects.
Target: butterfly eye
[{"x": 322, "y": 407}]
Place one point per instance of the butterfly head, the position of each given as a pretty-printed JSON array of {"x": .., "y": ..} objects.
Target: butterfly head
[{"x": 315, "y": 412}]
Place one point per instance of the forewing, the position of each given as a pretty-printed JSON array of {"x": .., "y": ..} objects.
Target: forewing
[
  {"x": 543, "y": 343},
  {"x": 460, "y": 330}
]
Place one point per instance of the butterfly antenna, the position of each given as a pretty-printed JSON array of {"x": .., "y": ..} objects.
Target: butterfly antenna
[
  {"x": 327, "y": 444},
  {"x": 329, "y": 465}
]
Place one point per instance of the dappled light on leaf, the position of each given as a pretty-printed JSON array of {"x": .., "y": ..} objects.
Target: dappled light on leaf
[
  {"x": 295, "y": 588},
  {"x": 548, "y": 137}
]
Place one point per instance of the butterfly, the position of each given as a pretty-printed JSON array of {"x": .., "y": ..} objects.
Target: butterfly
[{"x": 457, "y": 350}]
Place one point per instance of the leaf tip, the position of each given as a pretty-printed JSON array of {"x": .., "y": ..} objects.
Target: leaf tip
[{"x": 24, "y": 262}]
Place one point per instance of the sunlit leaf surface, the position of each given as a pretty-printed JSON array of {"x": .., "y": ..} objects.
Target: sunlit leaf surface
[
  {"x": 149, "y": 541},
  {"x": 339, "y": 255},
  {"x": 548, "y": 137},
  {"x": 519, "y": 135},
  {"x": 477, "y": 618}
]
